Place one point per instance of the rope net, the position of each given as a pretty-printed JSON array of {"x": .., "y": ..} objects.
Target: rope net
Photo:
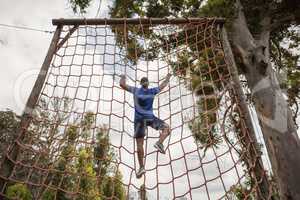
[{"x": 79, "y": 143}]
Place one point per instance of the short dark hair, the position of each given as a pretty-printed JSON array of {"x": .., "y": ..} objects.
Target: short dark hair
[{"x": 144, "y": 79}]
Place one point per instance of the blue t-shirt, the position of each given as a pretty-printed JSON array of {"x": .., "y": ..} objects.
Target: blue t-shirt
[{"x": 143, "y": 102}]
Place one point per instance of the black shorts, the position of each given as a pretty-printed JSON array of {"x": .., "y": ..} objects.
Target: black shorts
[{"x": 141, "y": 125}]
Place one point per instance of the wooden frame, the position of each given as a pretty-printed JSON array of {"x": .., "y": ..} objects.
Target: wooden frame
[{"x": 122, "y": 21}]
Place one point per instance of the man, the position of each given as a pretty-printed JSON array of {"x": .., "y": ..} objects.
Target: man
[{"x": 143, "y": 117}]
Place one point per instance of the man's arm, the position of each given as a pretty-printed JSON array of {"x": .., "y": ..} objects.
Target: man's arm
[
  {"x": 165, "y": 82},
  {"x": 123, "y": 84}
]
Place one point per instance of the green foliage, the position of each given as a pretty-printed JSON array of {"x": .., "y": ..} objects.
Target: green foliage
[
  {"x": 88, "y": 120},
  {"x": 126, "y": 8},
  {"x": 88, "y": 166},
  {"x": 79, "y": 6},
  {"x": 72, "y": 133},
  {"x": 218, "y": 8},
  {"x": 112, "y": 187},
  {"x": 175, "y": 8},
  {"x": 119, "y": 190},
  {"x": 285, "y": 45},
  {"x": 284, "y": 57},
  {"x": 86, "y": 125},
  {"x": 65, "y": 164},
  {"x": 88, "y": 187},
  {"x": 74, "y": 167},
  {"x": 204, "y": 74},
  {"x": 255, "y": 11},
  {"x": 9, "y": 121},
  {"x": 18, "y": 191},
  {"x": 102, "y": 152},
  {"x": 203, "y": 127},
  {"x": 9, "y": 124},
  {"x": 245, "y": 190},
  {"x": 157, "y": 9},
  {"x": 48, "y": 195}
]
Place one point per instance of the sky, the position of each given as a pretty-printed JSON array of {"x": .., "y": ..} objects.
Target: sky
[{"x": 22, "y": 53}]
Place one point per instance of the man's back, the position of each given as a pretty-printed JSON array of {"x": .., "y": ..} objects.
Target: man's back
[{"x": 143, "y": 101}]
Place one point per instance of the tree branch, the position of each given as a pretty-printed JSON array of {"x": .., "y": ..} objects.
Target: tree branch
[
  {"x": 278, "y": 61},
  {"x": 240, "y": 26},
  {"x": 282, "y": 21}
]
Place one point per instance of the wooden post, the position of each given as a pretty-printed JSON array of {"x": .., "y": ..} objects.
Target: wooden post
[
  {"x": 255, "y": 158},
  {"x": 7, "y": 165},
  {"x": 63, "y": 41},
  {"x": 121, "y": 21}
]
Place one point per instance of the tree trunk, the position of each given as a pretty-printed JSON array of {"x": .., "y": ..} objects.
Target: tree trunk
[
  {"x": 279, "y": 132},
  {"x": 274, "y": 114},
  {"x": 257, "y": 172}
]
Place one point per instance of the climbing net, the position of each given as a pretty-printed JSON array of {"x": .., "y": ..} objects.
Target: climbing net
[{"x": 78, "y": 142}]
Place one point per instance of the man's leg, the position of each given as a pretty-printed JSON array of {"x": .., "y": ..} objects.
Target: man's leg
[
  {"x": 159, "y": 124},
  {"x": 140, "y": 151},
  {"x": 164, "y": 133},
  {"x": 139, "y": 128}
]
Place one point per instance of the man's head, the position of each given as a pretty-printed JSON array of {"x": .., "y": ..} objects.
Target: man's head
[{"x": 144, "y": 82}]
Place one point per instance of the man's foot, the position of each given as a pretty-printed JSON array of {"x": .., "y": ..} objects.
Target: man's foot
[
  {"x": 160, "y": 147},
  {"x": 141, "y": 172}
]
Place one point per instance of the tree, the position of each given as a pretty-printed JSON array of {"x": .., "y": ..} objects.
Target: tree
[
  {"x": 18, "y": 191},
  {"x": 86, "y": 169},
  {"x": 9, "y": 124},
  {"x": 258, "y": 33},
  {"x": 112, "y": 188},
  {"x": 81, "y": 167},
  {"x": 88, "y": 187},
  {"x": 243, "y": 191}
]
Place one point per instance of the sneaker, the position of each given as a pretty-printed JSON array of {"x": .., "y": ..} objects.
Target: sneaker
[
  {"x": 141, "y": 172},
  {"x": 160, "y": 147}
]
